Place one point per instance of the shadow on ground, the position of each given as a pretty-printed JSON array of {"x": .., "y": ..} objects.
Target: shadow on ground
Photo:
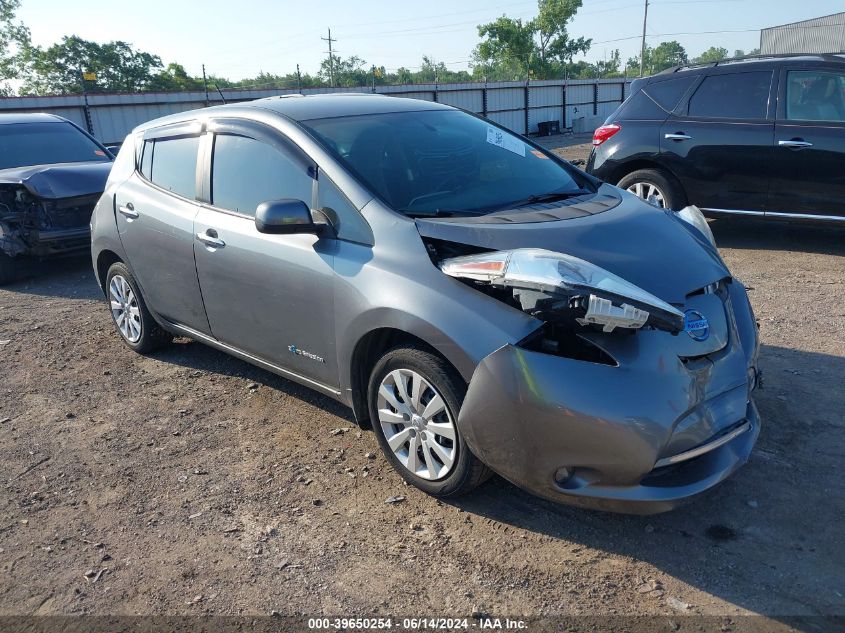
[
  {"x": 769, "y": 539},
  {"x": 755, "y": 234},
  {"x": 68, "y": 277}
]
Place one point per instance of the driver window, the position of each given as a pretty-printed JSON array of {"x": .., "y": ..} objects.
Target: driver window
[{"x": 246, "y": 172}]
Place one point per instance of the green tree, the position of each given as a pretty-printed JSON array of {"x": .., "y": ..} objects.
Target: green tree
[
  {"x": 553, "y": 42},
  {"x": 14, "y": 42},
  {"x": 539, "y": 48},
  {"x": 349, "y": 72},
  {"x": 712, "y": 54},
  {"x": 175, "y": 77},
  {"x": 506, "y": 51},
  {"x": 118, "y": 67},
  {"x": 663, "y": 56}
]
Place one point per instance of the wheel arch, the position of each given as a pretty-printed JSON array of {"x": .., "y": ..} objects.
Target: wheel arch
[
  {"x": 623, "y": 169},
  {"x": 367, "y": 351},
  {"x": 105, "y": 259}
]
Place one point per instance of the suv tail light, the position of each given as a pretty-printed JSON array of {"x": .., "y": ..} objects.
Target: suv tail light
[{"x": 605, "y": 132}]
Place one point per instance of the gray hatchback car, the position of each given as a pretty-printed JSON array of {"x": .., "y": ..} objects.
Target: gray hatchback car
[{"x": 481, "y": 303}]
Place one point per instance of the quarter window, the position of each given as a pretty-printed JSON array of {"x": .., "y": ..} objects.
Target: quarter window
[
  {"x": 667, "y": 93},
  {"x": 732, "y": 96},
  {"x": 174, "y": 164},
  {"x": 815, "y": 95},
  {"x": 247, "y": 172}
]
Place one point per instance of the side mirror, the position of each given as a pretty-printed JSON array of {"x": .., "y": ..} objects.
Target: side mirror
[{"x": 284, "y": 217}]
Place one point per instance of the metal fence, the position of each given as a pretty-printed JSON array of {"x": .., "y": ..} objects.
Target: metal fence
[{"x": 577, "y": 105}]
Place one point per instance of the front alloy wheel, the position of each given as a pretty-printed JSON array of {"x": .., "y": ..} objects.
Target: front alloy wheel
[
  {"x": 416, "y": 424},
  {"x": 414, "y": 397}
]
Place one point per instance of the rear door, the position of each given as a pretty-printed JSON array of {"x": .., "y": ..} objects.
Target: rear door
[
  {"x": 719, "y": 143},
  {"x": 809, "y": 165},
  {"x": 156, "y": 207}
]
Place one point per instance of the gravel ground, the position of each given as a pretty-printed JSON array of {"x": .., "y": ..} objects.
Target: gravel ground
[{"x": 189, "y": 482}]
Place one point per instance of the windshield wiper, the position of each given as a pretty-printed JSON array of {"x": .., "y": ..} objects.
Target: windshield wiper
[
  {"x": 437, "y": 213},
  {"x": 551, "y": 196}
]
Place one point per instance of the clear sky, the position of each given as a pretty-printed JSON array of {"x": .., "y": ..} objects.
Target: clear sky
[{"x": 239, "y": 38}]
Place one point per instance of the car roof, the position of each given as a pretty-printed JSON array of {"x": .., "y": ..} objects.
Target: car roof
[
  {"x": 29, "y": 117},
  {"x": 326, "y": 106},
  {"x": 298, "y": 107},
  {"x": 764, "y": 61}
]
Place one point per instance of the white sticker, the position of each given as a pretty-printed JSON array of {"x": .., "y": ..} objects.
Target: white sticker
[{"x": 499, "y": 138}]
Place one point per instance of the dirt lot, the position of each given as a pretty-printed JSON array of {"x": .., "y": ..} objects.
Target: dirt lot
[{"x": 192, "y": 483}]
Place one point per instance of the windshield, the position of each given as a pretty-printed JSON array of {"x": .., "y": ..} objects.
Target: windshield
[
  {"x": 23, "y": 144},
  {"x": 442, "y": 161}
]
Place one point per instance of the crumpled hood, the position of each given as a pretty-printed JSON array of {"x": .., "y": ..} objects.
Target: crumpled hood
[
  {"x": 640, "y": 243},
  {"x": 63, "y": 180}
]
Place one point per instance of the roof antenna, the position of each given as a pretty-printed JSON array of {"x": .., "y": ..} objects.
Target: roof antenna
[{"x": 220, "y": 92}]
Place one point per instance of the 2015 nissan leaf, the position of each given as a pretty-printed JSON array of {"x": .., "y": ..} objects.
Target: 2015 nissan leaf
[{"x": 485, "y": 305}]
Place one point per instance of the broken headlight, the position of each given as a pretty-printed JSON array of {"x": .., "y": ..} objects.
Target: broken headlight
[
  {"x": 552, "y": 285},
  {"x": 693, "y": 215}
]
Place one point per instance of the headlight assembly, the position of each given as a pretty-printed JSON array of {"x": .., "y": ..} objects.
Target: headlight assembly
[
  {"x": 693, "y": 215},
  {"x": 547, "y": 284}
]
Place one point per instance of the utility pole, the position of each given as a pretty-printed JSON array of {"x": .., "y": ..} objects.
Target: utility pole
[
  {"x": 89, "y": 124},
  {"x": 331, "y": 56},
  {"x": 642, "y": 50},
  {"x": 205, "y": 83},
  {"x": 298, "y": 79},
  {"x": 374, "y": 77}
]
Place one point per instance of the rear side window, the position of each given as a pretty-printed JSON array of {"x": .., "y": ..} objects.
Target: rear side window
[
  {"x": 640, "y": 107},
  {"x": 246, "y": 172},
  {"x": 147, "y": 159},
  {"x": 174, "y": 164},
  {"x": 815, "y": 95},
  {"x": 668, "y": 93},
  {"x": 732, "y": 96}
]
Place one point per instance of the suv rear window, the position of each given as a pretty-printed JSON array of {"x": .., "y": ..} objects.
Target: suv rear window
[
  {"x": 732, "y": 96},
  {"x": 639, "y": 107},
  {"x": 668, "y": 93}
]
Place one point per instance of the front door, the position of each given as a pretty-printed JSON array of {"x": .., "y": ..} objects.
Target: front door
[
  {"x": 719, "y": 143},
  {"x": 155, "y": 208},
  {"x": 268, "y": 295},
  {"x": 809, "y": 171}
]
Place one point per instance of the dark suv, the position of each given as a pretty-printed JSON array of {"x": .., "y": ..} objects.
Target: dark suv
[{"x": 760, "y": 136}]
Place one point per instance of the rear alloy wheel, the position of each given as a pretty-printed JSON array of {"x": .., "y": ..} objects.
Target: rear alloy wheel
[
  {"x": 655, "y": 187},
  {"x": 136, "y": 326},
  {"x": 414, "y": 400}
]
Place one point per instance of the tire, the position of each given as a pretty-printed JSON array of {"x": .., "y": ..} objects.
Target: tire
[
  {"x": 141, "y": 333},
  {"x": 670, "y": 192},
  {"x": 466, "y": 471}
]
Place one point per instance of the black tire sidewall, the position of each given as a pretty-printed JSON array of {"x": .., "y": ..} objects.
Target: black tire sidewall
[
  {"x": 672, "y": 192},
  {"x": 451, "y": 388}
]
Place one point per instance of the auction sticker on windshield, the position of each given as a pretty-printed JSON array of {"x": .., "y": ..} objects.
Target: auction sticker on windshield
[{"x": 500, "y": 139}]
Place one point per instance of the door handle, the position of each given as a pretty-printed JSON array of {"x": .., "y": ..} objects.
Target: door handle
[
  {"x": 129, "y": 211},
  {"x": 677, "y": 136},
  {"x": 795, "y": 143},
  {"x": 210, "y": 239}
]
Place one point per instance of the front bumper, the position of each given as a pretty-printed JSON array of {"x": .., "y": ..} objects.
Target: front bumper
[{"x": 616, "y": 429}]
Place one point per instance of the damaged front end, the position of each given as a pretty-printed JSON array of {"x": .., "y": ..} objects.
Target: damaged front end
[
  {"x": 37, "y": 226},
  {"x": 619, "y": 400}
]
